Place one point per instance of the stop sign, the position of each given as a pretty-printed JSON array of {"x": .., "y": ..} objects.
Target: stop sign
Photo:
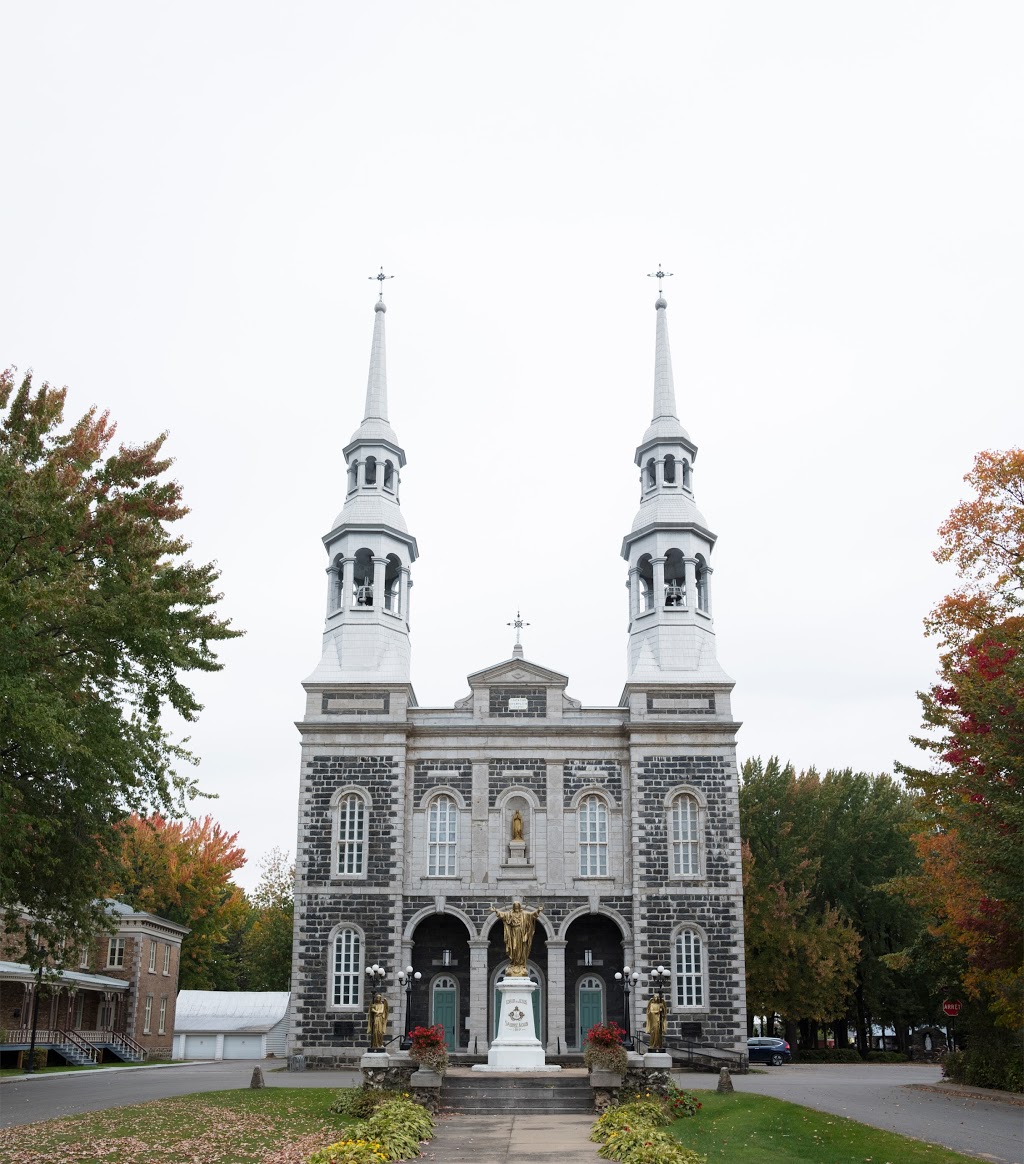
[{"x": 952, "y": 1007}]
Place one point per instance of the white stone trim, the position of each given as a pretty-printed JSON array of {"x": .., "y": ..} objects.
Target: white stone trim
[
  {"x": 605, "y": 911},
  {"x": 431, "y": 911}
]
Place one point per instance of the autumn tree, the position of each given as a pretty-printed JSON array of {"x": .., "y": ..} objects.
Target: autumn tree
[
  {"x": 182, "y": 870},
  {"x": 972, "y": 794},
  {"x": 266, "y": 954},
  {"x": 101, "y": 614}
]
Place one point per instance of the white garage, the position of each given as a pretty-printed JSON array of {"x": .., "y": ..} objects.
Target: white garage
[{"x": 220, "y": 1024}]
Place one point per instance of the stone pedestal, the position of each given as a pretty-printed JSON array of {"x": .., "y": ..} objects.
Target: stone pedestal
[
  {"x": 517, "y": 852},
  {"x": 658, "y": 1061},
  {"x": 516, "y": 1048}
]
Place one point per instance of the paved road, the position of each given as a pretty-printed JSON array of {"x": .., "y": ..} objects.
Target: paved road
[{"x": 881, "y": 1095}]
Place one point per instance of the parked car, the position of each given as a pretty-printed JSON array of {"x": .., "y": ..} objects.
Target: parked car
[{"x": 762, "y": 1049}]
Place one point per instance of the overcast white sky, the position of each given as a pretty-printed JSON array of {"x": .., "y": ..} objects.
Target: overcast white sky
[{"x": 196, "y": 194}]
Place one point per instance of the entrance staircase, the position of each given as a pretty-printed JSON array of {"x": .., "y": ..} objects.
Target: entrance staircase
[{"x": 491, "y": 1093}]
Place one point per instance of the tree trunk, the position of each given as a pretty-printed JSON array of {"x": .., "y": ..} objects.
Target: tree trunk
[
  {"x": 841, "y": 1032},
  {"x": 863, "y": 1033},
  {"x": 790, "y": 1032}
]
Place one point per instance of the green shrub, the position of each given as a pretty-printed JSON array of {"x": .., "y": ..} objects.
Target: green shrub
[
  {"x": 886, "y": 1057},
  {"x": 681, "y": 1103},
  {"x": 828, "y": 1055},
  {"x": 644, "y": 1144},
  {"x": 986, "y": 1066},
  {"x": 639, "y": 1113},
  {"x": 399, "y": 1125},
  {"x": 360, "y": 1102}
]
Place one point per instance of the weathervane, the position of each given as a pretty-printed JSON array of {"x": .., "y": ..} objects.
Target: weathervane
[
  {"x": 659, "y": 274},
  {"x": 381, "y": 277},
  {"x": 518, "y": 623}
]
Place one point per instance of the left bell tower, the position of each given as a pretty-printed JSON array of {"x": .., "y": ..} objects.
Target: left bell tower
[{"x": 369, "y": 549}]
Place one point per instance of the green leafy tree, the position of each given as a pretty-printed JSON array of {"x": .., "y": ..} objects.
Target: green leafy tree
[
  {"x": 266, "y": 954},
  {"x": 100, "y": 615}
]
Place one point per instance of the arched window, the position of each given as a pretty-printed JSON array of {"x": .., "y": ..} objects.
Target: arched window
[
  {"x": 702, "y": 584},
  {"x": 370, "y": 472},
  {"x": 652, "y": 474},
  {"x": 442, "y": 836},
  {"x": 353, "y": 476},
  {"x": 593, "y": 837},
  {"x": 685, "y": 836},
  {"x": 389, "y": 475},
  {"x": 689, "y": 958},
  {"x": 362, "y": 578},
  {"x": 351, "y": 844},
  {"x": 675, "y": 579},
  {"x": 346, "y": 968},
  {"x": 393, "y": 585},
  {"x": 645, "y": 581},
  {"x": 670, "y": 469},
  {"x": 686, "y": 473}
]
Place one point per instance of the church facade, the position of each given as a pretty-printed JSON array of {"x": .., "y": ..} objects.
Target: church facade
[{"x": 414, "y": 821}]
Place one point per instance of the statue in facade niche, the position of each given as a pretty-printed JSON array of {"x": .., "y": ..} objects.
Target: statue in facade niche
[
  {"x": 519, "y": 925},
  {"x": 517, "y": 825},
  {"x": 377, "y": 1022}
]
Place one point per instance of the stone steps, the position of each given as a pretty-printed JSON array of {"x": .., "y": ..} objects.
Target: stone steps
[{"x": 490, "y": 1093}]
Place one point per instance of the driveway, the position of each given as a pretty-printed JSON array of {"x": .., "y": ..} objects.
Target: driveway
[{"x": 896, "y": 1097}]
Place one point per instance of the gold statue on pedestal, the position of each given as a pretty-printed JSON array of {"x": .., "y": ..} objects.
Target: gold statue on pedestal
[
  {"x": 657, "y": 1012},
  {"x": 517, "y": 825},
  {"x": 519, "y": 925},
  {"x": 377, "y": 1022}
]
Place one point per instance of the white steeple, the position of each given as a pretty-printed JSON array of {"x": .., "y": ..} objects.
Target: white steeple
[
  {"x": 671, "y": 632},
  {"x": 369, "y": 548}
]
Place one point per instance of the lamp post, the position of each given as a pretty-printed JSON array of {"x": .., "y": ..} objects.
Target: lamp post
[
  {"x": 407, "y": 977},
  {"x": 629, "y": 979}
]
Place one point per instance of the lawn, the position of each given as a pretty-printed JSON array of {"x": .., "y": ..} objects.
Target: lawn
[
  {"x": 753, "y": 1129},
  {"x": 275, "y": 1125}
]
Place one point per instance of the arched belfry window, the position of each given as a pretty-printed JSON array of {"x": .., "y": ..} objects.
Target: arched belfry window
[
  {"x": 389, "y": 475},
  {"x": 362, "y": 578},
  {"x": 353, "y": 476},
  {"x": 645, "y": 582},
  {"x": 686, "y": 473},
  {"x": 702, "y": 584},
  {"x": 670, "y": 469},
  {"x": 370, "y": 471},
  {"x": 393, "y": 585},
  {"x": 592, "y": 816},
  {"x": 651, "y": 477},
  {"x": 675, "y": 579},
  {"x": 442, "y": 836}
]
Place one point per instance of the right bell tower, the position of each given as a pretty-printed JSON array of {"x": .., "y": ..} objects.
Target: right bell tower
[{"x": 671, "y": 630}]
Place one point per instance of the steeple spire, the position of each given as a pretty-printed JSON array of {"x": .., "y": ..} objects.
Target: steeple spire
[
  {"x": 377, "y": 380},
  {"x": 664, "y": 386}
]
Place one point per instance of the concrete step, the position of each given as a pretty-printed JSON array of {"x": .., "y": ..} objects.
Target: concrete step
[{"x": 487, "y": 1094}]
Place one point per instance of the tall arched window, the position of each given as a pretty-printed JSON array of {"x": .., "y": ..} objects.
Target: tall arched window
[
  {"x": 393, "y": 585},
  {"x": 652, "y": 474},
  {"x": 389, "y": 475},
  {"x": 675, "y": 578},
  {"x": 442, "y": 836},
  {"x": 670, "y": 469},
  {"x": 685, "y": 836},
  {"x": 346, "y": 968},
  {"x": 351, "y": 812},
  {"x": 593, "y": 837},
  {"x": 370, "y": 471},
  {"x": 689, "y": 959},
  {"x": 686, "y": 473},
  {"x": 362, "y": 578},
  {"x": 645, "y": 583}
]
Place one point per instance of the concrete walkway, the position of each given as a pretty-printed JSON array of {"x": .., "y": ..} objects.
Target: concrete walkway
[{"x": 513, "y": 1139}]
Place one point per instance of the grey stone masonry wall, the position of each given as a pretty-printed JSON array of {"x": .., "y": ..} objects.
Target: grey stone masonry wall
[
  {"x": 382, "y": 779},
  {"x": 604, "y": 774},
  {"x": 355, "y": 703},
  {"x": 680, "y": 703},
  {"x": 657, "y": 776},
  {"x": 318, "y": 1024},
  {"x": 504, "y": 774},
  {"x": 457, "y": 774},
  {"x": 536, "y": 702}
]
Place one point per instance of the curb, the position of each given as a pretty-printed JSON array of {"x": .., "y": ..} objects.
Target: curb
[
  {"x": 965, "y": 1091},
  {"x": 105, "y": 1070}
]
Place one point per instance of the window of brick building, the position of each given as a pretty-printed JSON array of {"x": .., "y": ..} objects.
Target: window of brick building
[{"x": 115, "y": 952}]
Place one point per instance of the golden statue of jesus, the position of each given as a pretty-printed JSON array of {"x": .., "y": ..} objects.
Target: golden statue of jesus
[{"x": 519, "y": 925}]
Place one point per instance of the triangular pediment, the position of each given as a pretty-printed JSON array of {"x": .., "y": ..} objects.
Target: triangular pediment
[{"x": 516, "y": 671}]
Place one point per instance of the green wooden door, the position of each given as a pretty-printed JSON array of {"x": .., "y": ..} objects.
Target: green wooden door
[
  {"x": 445, "y": 1010},
  {"x": 591, "y": 1005}
]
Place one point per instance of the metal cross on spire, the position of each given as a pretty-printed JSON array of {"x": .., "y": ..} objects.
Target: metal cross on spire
[
  {"x": 659, "y": 274},
  {"x": 381, "y": 277},
  {"x": 518, "y": 623}
]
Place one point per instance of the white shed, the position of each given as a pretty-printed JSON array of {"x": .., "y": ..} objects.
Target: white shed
[{"x": 222, "y": 1024}]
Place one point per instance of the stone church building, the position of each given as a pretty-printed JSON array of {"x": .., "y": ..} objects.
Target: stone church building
[{"x": 623, "y": 821}]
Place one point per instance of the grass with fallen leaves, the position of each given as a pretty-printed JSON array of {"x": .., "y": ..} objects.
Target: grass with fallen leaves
[
  {"x": 274, "y": 1125},
  {"x": 752, "y": 1129}
]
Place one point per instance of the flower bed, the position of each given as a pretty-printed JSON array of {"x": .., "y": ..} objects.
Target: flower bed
[
  {"x": 632, "y": 1132},
  {"x": 394, "y": 1130}
]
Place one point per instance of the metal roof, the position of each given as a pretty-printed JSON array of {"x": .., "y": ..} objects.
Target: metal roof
[
  {"x": 229, "y": 1010},
  {"x": 19, "y": 972}
]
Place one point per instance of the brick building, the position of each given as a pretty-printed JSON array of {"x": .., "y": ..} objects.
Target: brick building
[
  {"x": 115, "y": 999},
  {"x": 622, "y": 821}
]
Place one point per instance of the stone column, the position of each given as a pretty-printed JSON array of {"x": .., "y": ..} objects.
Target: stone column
[
  {"x": 659, "y": 583},
  {"x": 333, "y": 581},
  {"x": 634, "y": 592},
  {"x": 707, "y": 588},
  {"x": 347, "y": 574},
  {"x": 479, "y": 1032},
  {"x": 379, "y": 566},
  {"x": 556, "y": 994}
]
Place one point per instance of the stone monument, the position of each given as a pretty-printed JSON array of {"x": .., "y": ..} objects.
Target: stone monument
[{"x": 516, "y": 1047}]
